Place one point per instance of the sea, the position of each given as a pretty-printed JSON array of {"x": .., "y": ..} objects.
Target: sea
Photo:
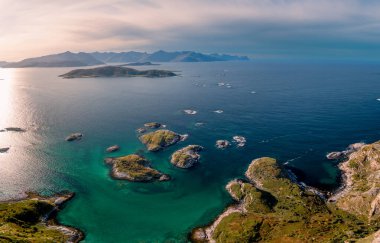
[{"x": 294, "y": 112}]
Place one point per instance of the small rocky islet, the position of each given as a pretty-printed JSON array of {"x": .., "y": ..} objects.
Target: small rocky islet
[
  {"x": 113, "y": 148},
  {"x": 74, "y": 137},
  {"x": 153, "y": 125},
  {"x": 222, "y": 144},
  {"x": 272, "y": 207},
  {"x": 186, "y": 157},
  {"x": 134, "y": 168},
  {"x": 13, "y": 129},
  {"x": 32, "y": 219},
  {"x": 4, "y": 149}
]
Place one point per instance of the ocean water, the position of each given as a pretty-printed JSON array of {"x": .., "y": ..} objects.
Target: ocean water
[{"x": 296, "y": 113}]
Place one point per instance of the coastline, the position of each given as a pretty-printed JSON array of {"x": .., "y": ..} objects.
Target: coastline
[
  {"x": 330, "y": 198},
  {"x": 58, "y": 200}
]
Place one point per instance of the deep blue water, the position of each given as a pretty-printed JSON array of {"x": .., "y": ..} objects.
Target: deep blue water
[{"x": 298, "y": 113}]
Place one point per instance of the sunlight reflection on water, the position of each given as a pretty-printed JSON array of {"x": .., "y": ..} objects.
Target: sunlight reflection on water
[{"x": 6, "y": 79}]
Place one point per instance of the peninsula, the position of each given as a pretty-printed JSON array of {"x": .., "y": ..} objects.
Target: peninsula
[
  {"x": 272, "y": 207},
  {"x": 33, "y": 220}
]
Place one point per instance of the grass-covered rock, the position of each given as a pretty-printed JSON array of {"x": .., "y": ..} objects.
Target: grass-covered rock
[
  {"x": 159, "y": 139},
  {"x": 270, "y": 207},
  {"x": 187, "y": 156},
  {"x": 134, "y": 168},
  {"x": 32, "y": 220}
]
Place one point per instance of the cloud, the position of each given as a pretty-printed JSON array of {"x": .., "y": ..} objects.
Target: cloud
[{"x": 265, "y": 27}]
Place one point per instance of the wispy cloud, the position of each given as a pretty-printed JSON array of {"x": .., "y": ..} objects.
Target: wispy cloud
[{"x": 265, "y": 27}]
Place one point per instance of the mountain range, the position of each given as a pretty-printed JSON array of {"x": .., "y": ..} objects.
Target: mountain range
[{"x": 70, "y": 59}]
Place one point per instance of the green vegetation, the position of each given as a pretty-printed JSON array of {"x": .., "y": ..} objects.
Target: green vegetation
[
  {"x": 159, "y": 139},
  {"x": 186, "y": 157},
  {"x": 134, "y": 168},
  {"x": 274, "y": 209},
  {"x": 116, "y": 71},
  {"x": 21, "y": 221}
]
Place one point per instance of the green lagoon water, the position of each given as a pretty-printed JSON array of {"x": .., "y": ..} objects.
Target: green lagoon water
[{"x": 297, "y": 113}]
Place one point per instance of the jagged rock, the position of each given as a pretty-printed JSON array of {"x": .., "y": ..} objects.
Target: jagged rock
[
  {"x": 361, "y": 194},
  {"x": 222, "y": 144}
]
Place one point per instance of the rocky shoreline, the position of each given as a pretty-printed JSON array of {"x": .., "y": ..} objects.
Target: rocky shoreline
[
  {"x": 39, "y": 213},
  {"x": 186, "y": 157},
  {"x": 357, "y": 203}
]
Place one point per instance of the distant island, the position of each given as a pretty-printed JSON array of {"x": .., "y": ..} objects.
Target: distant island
[
  {"x": 66, "y": 59},
  {"x": 140, "y": 64},
  {"x": 116, "y": 71},
  {"x": 70, "y": 59}
]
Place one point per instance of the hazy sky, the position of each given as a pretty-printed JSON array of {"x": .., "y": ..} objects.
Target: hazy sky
[{"x": 261, "y": 28}]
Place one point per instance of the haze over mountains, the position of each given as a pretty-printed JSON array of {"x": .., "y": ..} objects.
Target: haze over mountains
[{"x": 69, "y": 59}]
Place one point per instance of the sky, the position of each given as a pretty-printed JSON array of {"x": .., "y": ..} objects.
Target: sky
[{"x": 343, "y": 29}]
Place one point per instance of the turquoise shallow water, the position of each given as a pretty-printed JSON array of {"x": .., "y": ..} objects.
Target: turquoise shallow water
[{"x": 298, "y": 113}]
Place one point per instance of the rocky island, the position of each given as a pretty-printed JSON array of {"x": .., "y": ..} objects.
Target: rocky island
[
  {"x": 116, "y": 71},
  {"x": 272, "y": 207},
  {"x": 74, "y": 136},
  {"x": 134, "y": 168},
  {"x": 13, "y": 129},
  {"x": 4, "y": 150},
  {"x": 160, "y": 139},
  {"x": 33, "y": 220},
  {"x": 186, "y": 157}
]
